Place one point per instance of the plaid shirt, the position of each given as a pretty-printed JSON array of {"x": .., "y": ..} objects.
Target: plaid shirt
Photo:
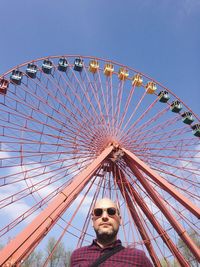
[{"x": 128, "y": 257}]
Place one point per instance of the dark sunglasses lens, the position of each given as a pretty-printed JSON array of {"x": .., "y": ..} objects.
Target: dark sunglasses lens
[
  {"x": 111, "y": 211},
  {"x": 98, "y": 212}
]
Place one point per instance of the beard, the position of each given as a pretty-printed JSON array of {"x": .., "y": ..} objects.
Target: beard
[{"x": 106, "y": 236}]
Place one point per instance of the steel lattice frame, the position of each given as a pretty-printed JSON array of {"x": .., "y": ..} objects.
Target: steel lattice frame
[{"x": 76, "y": 133}]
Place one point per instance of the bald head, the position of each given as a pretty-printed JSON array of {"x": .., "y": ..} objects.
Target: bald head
[
  {"x": 106, "y": 221},
  {"x": 105, "y": 203}
]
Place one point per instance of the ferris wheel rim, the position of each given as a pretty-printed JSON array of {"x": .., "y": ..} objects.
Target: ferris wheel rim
[{"x": 144, "y": 141}]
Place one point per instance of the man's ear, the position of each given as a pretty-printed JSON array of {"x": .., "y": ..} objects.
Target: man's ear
[
  {"x": 120, "y": 220},
  {"x": 92, "y": 222}
]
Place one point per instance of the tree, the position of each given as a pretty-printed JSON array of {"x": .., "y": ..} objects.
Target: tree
[
  {"x": 59, "y": 254},
  {"x": 166, "y": 263},
  {"x": 67, "y": 258},
  {"x": 60, "y": 257},
  {"x": 35, "y": 259},
  {"x": 185, "y": 250}
]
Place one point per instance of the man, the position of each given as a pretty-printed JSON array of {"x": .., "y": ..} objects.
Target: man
[{"x": 106, "y": 220}]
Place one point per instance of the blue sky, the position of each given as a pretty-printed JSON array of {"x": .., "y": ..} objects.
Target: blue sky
[{"x": 159, "y": 38}]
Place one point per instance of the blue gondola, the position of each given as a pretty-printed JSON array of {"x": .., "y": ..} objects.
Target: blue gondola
[
  {"x": 196, "y": 129},
  {"x": 62, "y": 64},
  {"x": 176, "y": 106},
  {"x": 47, "y": 66},
  {"x": 31, "y": 70},
  {"x": 78, "y": 64},
  {"x": 163, "y": 96},
  {"x": 187, "y": 117},
  {"x": 16, "y": 77}
]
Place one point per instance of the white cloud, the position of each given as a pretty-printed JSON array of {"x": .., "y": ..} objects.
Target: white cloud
[
  {"x": 190, "y": 6},
  {"x": 86, "y": 203},
  {"x": 16, "y": 209},
  {"x": 3, "y": 154}
]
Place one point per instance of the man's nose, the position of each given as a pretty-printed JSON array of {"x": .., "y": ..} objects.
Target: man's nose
[{"x": 105, "y": 215}]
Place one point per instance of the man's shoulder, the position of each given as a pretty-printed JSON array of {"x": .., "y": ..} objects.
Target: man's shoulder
[
  {"x": 137, "y": 256},
  {"x": 134, "y": 250},
  {"x": 81, "y": 250},
  {"x": 82, "y": 255}
]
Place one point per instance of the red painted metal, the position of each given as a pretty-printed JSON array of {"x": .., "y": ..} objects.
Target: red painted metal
[
  {"x": 19, "y": 247},
  {"x": 132, "y": 161},
  {"x": 163, "y": 183},
  {"x": 119, "y": 176},
  {"x": 88, "y": 217},
  {"x": 163, "y": 234},
  {"x": 53, "y": 126}
]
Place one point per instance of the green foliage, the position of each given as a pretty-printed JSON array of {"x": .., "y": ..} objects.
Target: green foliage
[
  {"x": 35, "y": 259},
  {"x": 59, "y": 258},
  {"x": 165, "y": 263},
  {"x": 185, "y": 250},
  {"x": 67, "y": 258}
]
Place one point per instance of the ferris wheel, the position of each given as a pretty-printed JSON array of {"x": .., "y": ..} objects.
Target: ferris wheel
[{"x": 74, "y": 129}]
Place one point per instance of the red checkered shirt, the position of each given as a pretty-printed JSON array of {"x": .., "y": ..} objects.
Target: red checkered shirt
[{"x": 128, "y": 257}]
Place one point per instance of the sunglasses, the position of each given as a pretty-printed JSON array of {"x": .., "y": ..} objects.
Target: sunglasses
[{"x": 99, "y": 212}]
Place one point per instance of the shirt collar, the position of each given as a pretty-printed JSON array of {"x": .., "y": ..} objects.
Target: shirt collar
[{"x": 114, "y": 244}]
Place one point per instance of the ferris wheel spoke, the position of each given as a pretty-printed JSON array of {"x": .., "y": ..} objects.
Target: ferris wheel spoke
[
  {"x": 148, "y": 201},
  {"x": 72, "y": 117},
  {"x": 75, "y": 85},
  {"x": 23, "y": 115},
  {"x": 91, "y": 98},
  {"x": 88, "y": 217},
  {"x": 132, "y": 128},
  {"x": 175, "y": 170},
  {"x": 50, "y": 126},
  {"x": 69, "y": 223},
  {"x": 177, "y": 144},
  {"x": 102, "y": 94},
  {"x": 173, "y": 165},
  {"x": 125, "y": 222},
  {"x": 133, "y": 113},
  {"x": 126, "y": 106},
  {"x": 134, "y": 215},
  {"x": 158, "y": 128},
  {"x": 183, "y": 158},
  {"x": 64, "y": 106},
  {"x": 59, "y": 113},
  {"x": 164, "y": 136},
  {"x": 118, "y": 106},
  {"x": 173, "y": 174},
  {"x": 151, "y": 122},
  {"x": 154, "y": 118},
  {"x": 11, "y": 179},
  {"x": 29, "y": 212},
  {"x": 110, "y": 102},
  {"x": 154, "y": 222},
  {"x": 33, "y": 188},
  {"x": 93, "y": 87},
  {"x": 105, "y": 105}
]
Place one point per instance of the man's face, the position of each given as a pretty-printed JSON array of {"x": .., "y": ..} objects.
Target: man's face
[{"x": 105, "y": 225}]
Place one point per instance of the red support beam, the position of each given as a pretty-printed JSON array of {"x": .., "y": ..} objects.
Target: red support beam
[
  {"x": 163, "y": 234},
  {"x": 162, "y": 182},
  {"x": 158, "y": 201},
  {"x": 140, "y": 226},
  {"x": 18, "y": 249}
]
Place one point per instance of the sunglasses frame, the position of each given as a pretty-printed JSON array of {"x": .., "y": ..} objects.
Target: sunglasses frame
[{"x": 105, "y": 209}]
